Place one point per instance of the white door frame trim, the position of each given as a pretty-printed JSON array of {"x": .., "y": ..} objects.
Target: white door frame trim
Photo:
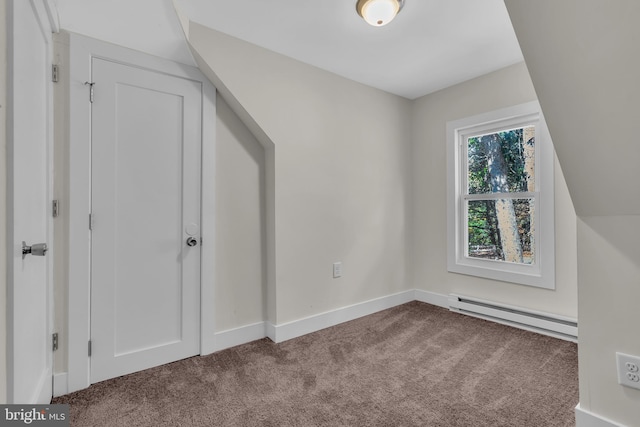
[{"x": 80, "y": 50}]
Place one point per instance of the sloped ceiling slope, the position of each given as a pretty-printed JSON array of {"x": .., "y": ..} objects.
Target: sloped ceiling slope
[{"x": 582, "y": 57}]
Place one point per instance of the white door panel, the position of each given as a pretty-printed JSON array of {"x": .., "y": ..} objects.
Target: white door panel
[
  {"x": 29, "y": 352},
  {"x": 145, "y": 280}
]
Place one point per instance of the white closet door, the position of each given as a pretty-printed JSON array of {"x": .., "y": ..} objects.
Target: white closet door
[{"x": 146, "y": 162}]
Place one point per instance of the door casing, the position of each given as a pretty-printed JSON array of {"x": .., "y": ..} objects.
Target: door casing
[{"x": 76, "y": 52}]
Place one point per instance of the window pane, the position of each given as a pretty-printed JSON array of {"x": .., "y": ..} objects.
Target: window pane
[
  {"x": 502, "y": 162},
  {"x": 501, "y": 230}
]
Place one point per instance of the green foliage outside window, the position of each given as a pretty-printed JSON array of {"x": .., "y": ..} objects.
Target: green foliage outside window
[{"x": 501, "y": 162}]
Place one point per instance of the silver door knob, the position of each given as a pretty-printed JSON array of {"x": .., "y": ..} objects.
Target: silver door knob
[
  {"x": 38, "y": 249},
  {"x": 191, "y": 241}
]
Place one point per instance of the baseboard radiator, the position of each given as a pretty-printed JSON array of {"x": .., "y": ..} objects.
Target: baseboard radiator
[{"x": 553, "y": 325}]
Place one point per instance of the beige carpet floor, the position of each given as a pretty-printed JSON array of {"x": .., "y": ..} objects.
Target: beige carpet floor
[{"x": 412, "y": 365}]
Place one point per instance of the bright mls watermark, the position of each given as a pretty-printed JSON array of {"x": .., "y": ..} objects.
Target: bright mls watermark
[{"x": 34, "y": 415}]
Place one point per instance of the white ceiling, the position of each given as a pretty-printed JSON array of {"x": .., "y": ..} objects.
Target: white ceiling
[{"x": 432, "y": 44}]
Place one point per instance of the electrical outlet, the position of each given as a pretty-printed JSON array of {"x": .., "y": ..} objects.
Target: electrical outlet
[
  {"x": 631, "y": 367},
  {"x": 628, "y": 370},
  {"x": 337, "y": 269}
]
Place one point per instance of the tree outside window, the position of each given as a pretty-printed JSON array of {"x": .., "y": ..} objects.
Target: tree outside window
[{"x": 498, "y": 163}]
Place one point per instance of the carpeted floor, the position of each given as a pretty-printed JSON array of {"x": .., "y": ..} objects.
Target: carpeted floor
[{"x": 412, "y": 365}]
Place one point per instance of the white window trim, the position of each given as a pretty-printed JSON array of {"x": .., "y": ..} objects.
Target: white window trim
[{"x": 542, "y": 272}]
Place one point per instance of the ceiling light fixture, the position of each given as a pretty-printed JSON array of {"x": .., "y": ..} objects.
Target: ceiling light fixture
[{"x": 379, "y": 12}]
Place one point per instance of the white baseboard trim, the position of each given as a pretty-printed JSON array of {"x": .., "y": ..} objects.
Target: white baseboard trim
[
  {"x": 60, "y": 384},
  {"x": 297, "y": 328},
  {"x": 270, "y": 330},
  {"x": 432, "y": 298},
  {"x": 286, "y": 331},
  {"x": 585, "y": 418},
  {"x": 237, "y": 336}
]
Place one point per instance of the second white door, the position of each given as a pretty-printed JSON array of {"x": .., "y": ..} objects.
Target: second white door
[{"x": 145, "y": 215}]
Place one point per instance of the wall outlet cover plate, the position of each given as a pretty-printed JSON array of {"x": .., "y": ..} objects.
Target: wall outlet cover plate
[{"x": 628, "y": 370}]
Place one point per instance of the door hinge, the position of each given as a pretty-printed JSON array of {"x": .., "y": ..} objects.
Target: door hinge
[
  {"x": 55, "y": 208},
  {"x": 55, "y": 341},
  {"x": 90, "y": 222},
  {"x": 89, "y": 348},
  {"x": 90, "y": 90},
  {"x": 55, "y": 73}
]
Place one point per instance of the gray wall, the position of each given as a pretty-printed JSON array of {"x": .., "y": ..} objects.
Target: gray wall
[
  {"x": 338, "y": 175},
  {"x": 500, "y": 89},
  {"x": 240, "y": 274}
]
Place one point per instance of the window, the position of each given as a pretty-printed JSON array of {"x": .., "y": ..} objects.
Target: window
[{"x": 500, "y": 197}]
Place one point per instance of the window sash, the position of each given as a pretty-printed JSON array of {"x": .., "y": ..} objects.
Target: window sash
[
  {"x": 498, "y": 196},
  {"x": 464, "y": 219},
  {"x": 463, "y": 144},
  {"x": 511, "y": 124}
]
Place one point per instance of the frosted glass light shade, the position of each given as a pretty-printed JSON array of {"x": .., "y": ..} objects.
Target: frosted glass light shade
[{"x": 378, "y": 12}]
